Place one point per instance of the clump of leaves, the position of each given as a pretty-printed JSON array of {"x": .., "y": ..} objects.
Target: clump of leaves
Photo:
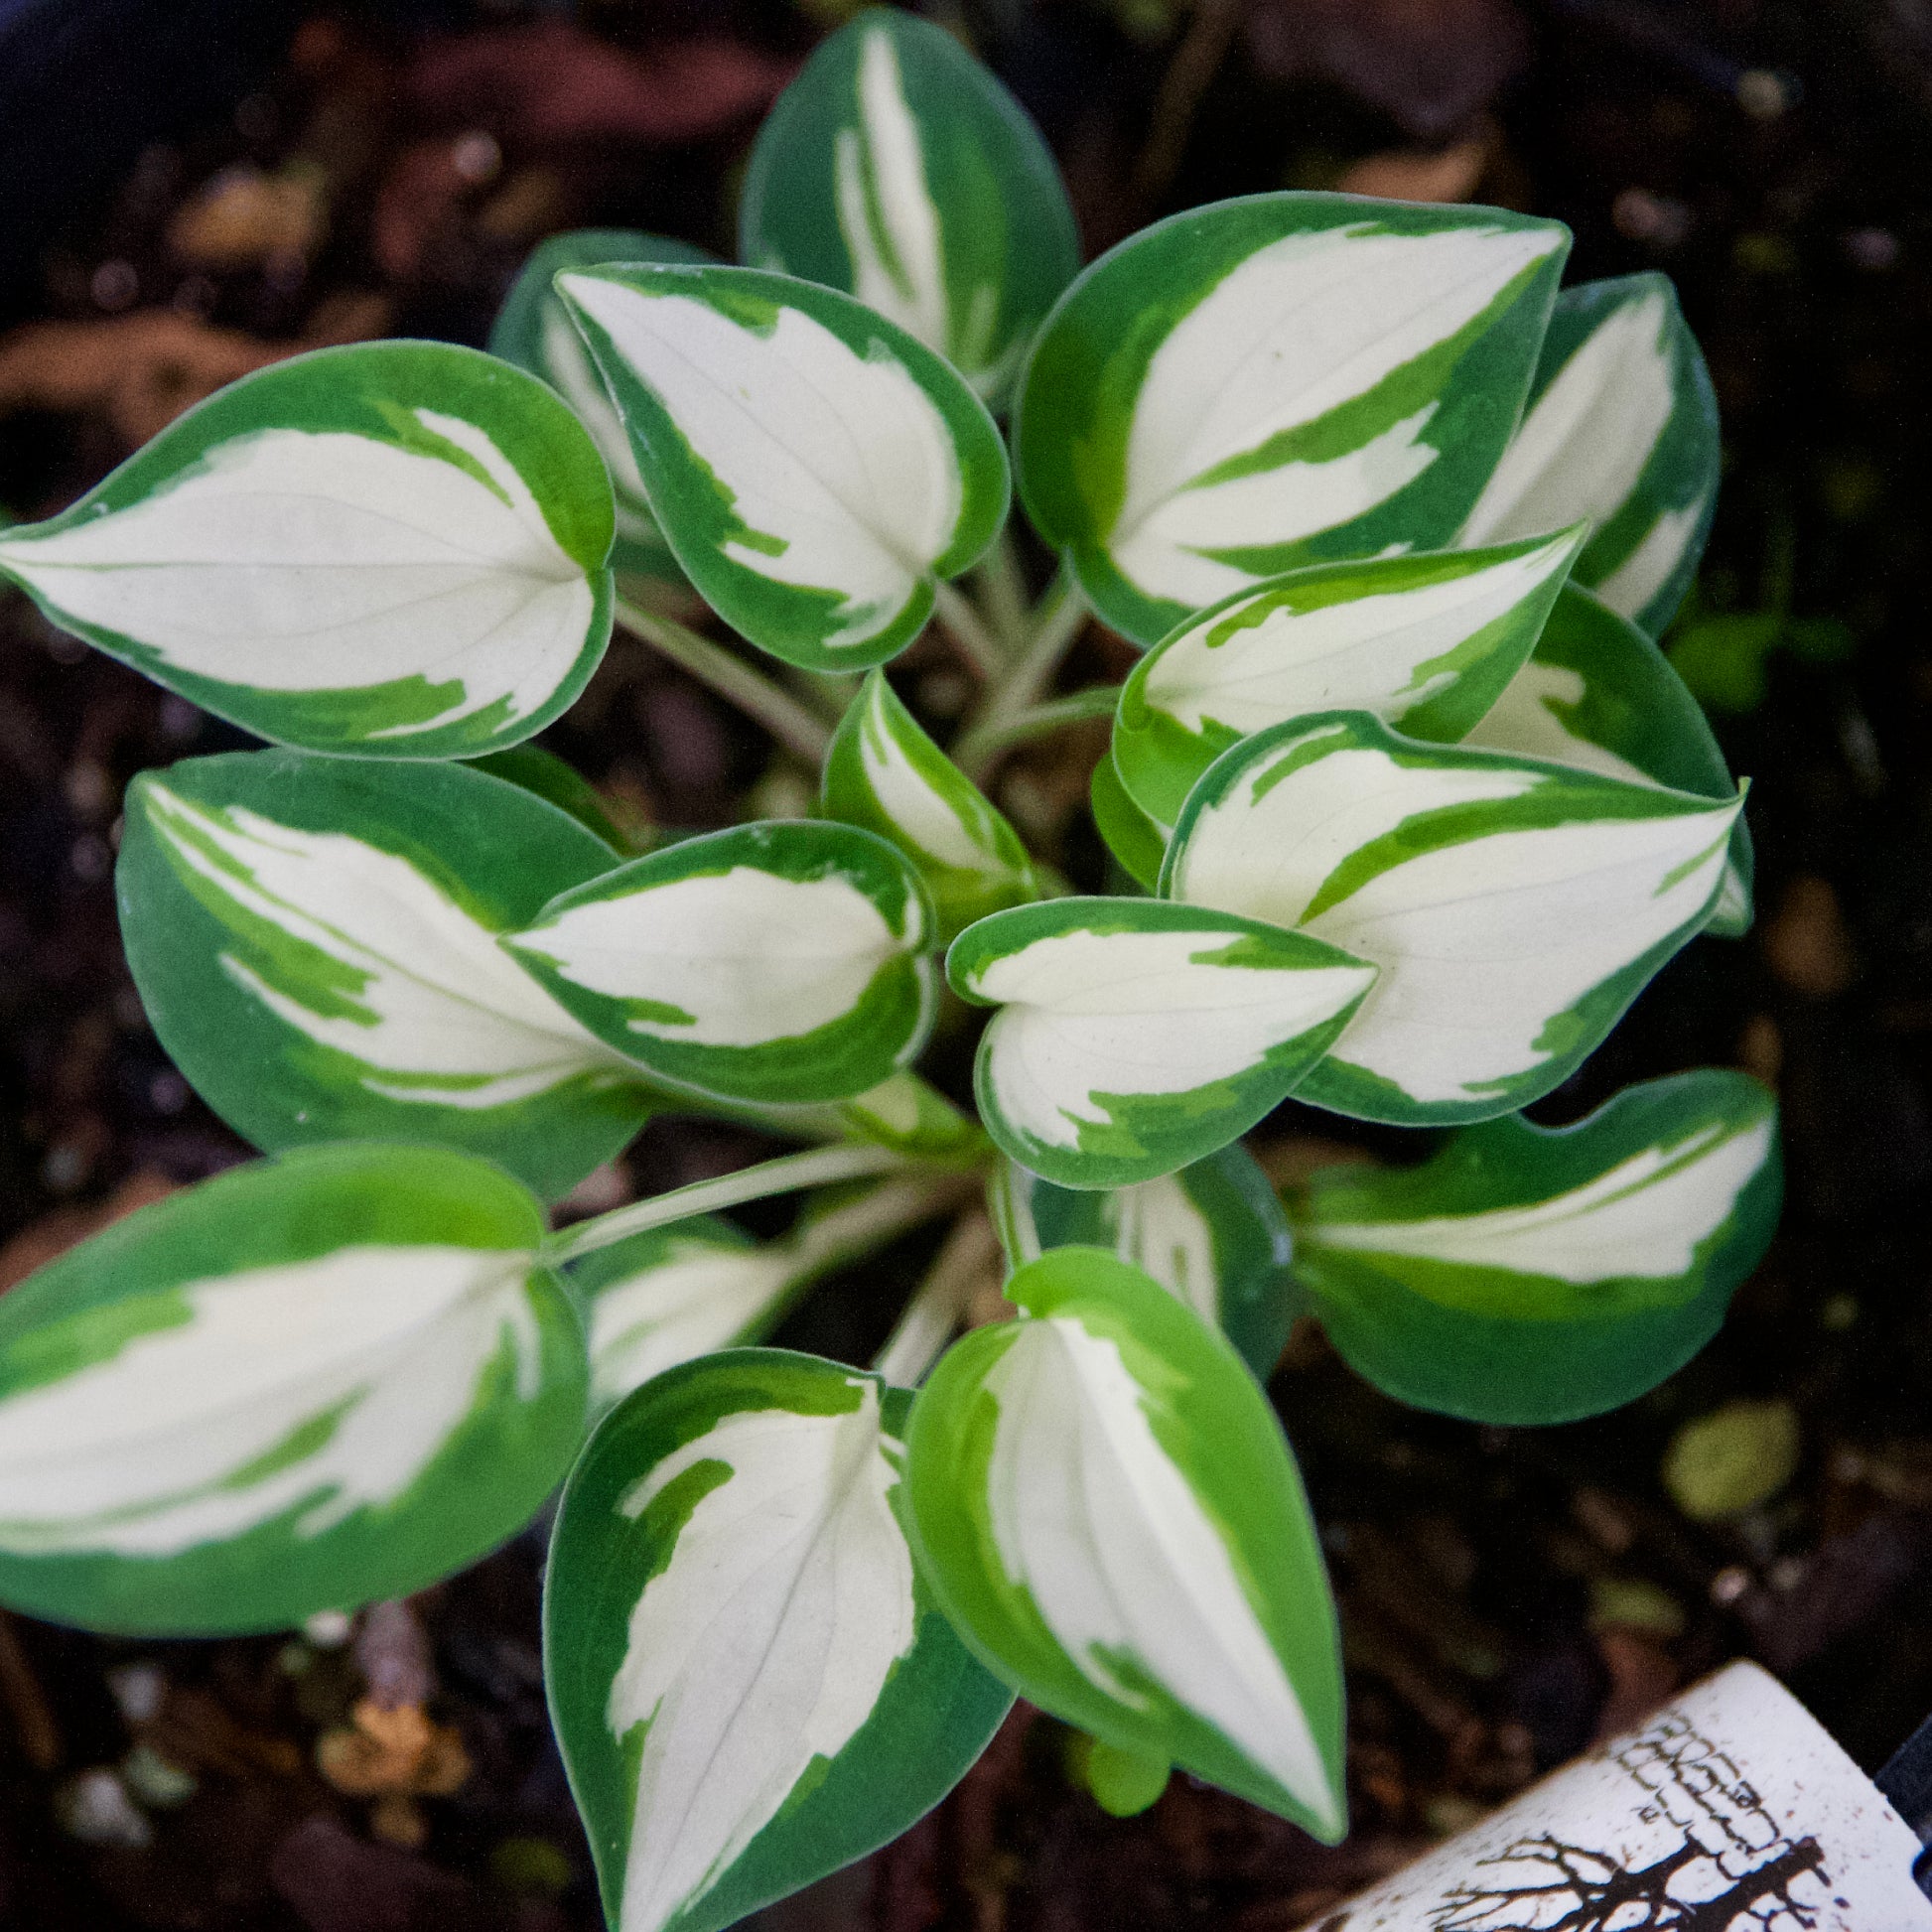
[{"x": 1405, "y": 804}]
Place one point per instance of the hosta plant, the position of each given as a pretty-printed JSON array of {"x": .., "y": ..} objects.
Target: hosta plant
[{"x": 1401, "y": 807}]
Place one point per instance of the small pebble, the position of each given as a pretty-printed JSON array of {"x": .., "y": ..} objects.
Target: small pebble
[
  {"x": 1729, "y": 1584},
  {"x": 138, "y": 1689},
  {"x": 95, "y": 1807},
  {"x": 156, "y": 1782},
  {"x": 114, "y": 285},
  {"x": 329, "y": 1629}
]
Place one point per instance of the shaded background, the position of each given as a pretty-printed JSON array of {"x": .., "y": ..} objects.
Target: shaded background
[{"x": 194, "y": 187}]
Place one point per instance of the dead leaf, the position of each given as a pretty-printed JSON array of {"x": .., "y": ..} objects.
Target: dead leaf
[
  {"x": 1431, "y": 66},
  {"x": 395, "y": 1749},
  {"x": 550, "y": 82},
  {"x": 141, "y": 370},
  {"x": 1448, "y": 175},
  {"x": 53, "y": 1235},
  {"x": 242, "y": 217}
]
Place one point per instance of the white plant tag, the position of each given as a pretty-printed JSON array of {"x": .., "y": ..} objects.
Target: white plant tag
[{"x": 1730, "y": 1808}]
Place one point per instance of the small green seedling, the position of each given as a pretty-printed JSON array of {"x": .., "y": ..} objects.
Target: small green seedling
[{"x": 1405, "y": 806}]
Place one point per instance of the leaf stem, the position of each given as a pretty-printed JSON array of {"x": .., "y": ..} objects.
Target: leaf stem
[
  {"x": 968, "y": 629},
  {"x": 939, "y": 1302},
  {"x": 1002, "y": 592},
  {"x": 1057, "y": 618},
  {"x": 816, "y": 1168},
  {"x": 755, "y": 694},
  {"x": 976, "y": 749}
]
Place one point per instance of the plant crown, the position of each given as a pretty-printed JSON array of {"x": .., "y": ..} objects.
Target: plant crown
[{"x": 1403, "y": 807}]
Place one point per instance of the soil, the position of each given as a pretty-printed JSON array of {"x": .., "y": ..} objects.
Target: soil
[{"x": 1506, "y": 1595}]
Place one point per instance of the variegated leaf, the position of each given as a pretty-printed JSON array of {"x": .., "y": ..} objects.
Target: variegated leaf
[
  {"x": 1107, "y": 1509},
  {"x": 315, "y": 940},
  {"x": 885, "y": 775},
  {"x": 814, "y": 468},
  {"x": 391, "y": 549},
  {"x": 751, "y": 1680},
  {"x": 1599, "y": 694},
  {"x": 1532, "y": 1275},
  {"x": 1621, "y": 429},
  {"x": 1280, "y": 381},
  {"x": 672, "y": 1293},
  {"x": 1133, "y": 1037},
  {"x": 309, "y": 1383},
  {"x": 1138, "y": 843},
  {"x": 781, "y": 962},
  {"x": 1515, "y": 909},
  {"x": 1425, "y": 642},
  {"x": 898, "y": 169},
  {"x": 546, "y": 775},
  {"x": 1212, "y": 1233},
  {"x": 534, "y": 331}
]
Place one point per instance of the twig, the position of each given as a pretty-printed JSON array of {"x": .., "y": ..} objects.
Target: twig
[
  {"x": 967, "y": 628},
  {"x": 40, "y": 1738},
  {"x": 817, "y": 1168},
  {"x": 976, "y": 749},
  {"x": 755, "y": 694},
  {"x": 1195, "y": 62},
  {"x": 938, "y": 1303}
]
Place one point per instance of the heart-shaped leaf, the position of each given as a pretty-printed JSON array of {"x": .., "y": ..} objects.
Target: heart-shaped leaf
[
  {"x": 1108, "y": 1511},
  {"x": 814, "y": 468},
  {"x": 395, "y": 549},
  {"x": 1515, "y": 907},
  {"x": 315, "y": 940},
  {"x": 534, "y": 331},
  {"x": 751, "y": 1680},
  {"x": 1280, "y": 381},
  {"x": 781, "y": 962},
  {"x": 1599, "y": 694},
  {"x": 1135, "y": 1037},
  {"x": 1531, "y": 1275},
  {"x": 887, "y": 776},
  {"x": 898, "y": 169},
  {"x": 1425, "y": 642},
  {"x": 306, "y": 1384},
  {"x": 1213, "y": 1234},
  {"x": 1621, "y": 428}
]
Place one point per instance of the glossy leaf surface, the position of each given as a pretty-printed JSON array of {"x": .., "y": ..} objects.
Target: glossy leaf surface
[
  {"x": 304, "y": 1385},
  {"x": 1213, "y": 1234},
  {"x": 898, "y": 169},
  {"x": 750, "y": 1679},
  {"x": 1106, "y": 1508},
  {"x": 391, "y": 549},
  {"x": 1529, "y": 1273},
  {"x": 1135, "y": 1037},
  {"x": 1280, "y": 381},
  {"x": 1515, "y": 909},
  {"x": 779, "y": 961},
  {"x": 315, "y": 940},
  {"x": 1427, "y": 643},
  {"x": 814, "y": 468},
  {"x": 534, "y": 331},
  {"x": 885, "y": 774},
  {"x": 1599, "y": 694},
  {"x": 1621, "y": 428}
]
